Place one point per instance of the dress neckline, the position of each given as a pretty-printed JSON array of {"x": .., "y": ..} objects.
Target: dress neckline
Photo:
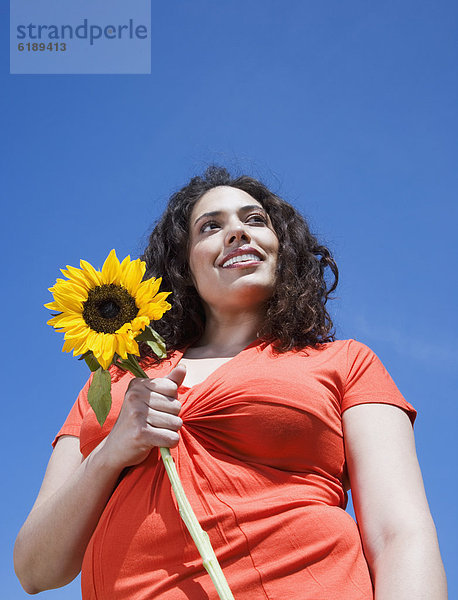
[{"x": 179, "y": 355}]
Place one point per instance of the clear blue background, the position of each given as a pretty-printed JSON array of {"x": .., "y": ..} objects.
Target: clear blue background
[{"x": 346, "y": 109}]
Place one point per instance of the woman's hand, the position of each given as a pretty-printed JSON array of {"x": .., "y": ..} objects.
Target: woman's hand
[
  {"x": 50, "y": 546},
  {"x": 148, "y": 418}
]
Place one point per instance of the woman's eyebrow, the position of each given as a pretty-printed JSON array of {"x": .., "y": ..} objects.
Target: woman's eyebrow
[
  {"x": 217, "y": 213},
  {"x": 213, "y": 213}
]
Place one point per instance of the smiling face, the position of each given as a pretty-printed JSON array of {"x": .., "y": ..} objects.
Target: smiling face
[{"x": 233, "y": 250}]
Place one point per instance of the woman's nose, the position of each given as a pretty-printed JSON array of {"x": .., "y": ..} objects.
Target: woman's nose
[{"x": 237, "y": 233}]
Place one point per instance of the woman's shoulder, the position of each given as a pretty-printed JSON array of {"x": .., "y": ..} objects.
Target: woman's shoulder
[
  {"x": 345, "y": 347},
  {"x": 336, "y": 356},
  {"x": 348, "y": 351}
]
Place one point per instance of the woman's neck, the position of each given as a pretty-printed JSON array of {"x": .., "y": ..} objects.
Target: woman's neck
[{"x": 227, "y": 335}]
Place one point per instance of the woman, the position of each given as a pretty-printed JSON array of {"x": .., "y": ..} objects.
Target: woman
[{"x": 270, "y": 421}]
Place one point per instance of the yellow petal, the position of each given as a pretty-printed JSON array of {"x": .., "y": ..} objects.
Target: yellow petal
[
  {"x": 68, "y": 305},
  {"x": 125, "y": 328},
  {"x": 97, "y": 343},
  {"x": 67, "y": 301},
  {"x": 133, "y": 275},
  {"x": 73, "y": 332},
  {"x": 147, "y": 293},
  {"x": 95, "y": 277},
  {"x": 109, "y": 344},
  {"x": 68, "y": 346},
  {"x": 111, "y": 270},
  {"x": 155, "y": 285},
  {"x": 104, "y": 363},
  {"x": 80, "y": 346},
  {"x": 77, "y": 330},
  {"x": 67, "y": 317},
  {"x": 92, "y": 342},
  {"x": 156, "y": 311},
  {"x": 77, "y": 275},
  {"x": 69, "y": 287},
  {"x": 52, "y": 306},
  {"x": 144, "y": 293},
  {"x": 125, "y": 265},
  {"x": 139, "y": 324},
  {"x": 132, "y": 347},
  {"x": 121, "y": 345},
  {"x": 75, "y": 289},
  {"x": 162, "y": 296},
  {"x": 65, "y": 320},
  {"x": 57, "y": 284}
]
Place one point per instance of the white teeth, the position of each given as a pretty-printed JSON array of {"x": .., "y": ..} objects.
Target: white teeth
[{"x": 241, "y": 258}]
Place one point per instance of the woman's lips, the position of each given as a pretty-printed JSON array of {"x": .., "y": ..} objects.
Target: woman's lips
[
  {"x": 244, "y": 252},
  {"x": 244, "y": 264},
  {"x": 241, "y": 259}
]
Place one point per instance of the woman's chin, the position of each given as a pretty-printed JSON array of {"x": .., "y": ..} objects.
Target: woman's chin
[{"x": 242, "y": 295}]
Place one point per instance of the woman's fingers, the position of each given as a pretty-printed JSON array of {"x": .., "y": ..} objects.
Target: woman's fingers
[
  {"x": 167, "y": 386},
  {"x": 163, "y": 420},
  {"x": 148, "y": 418},
  {"x": 177, "y": 374},
  {"x": 163, "y": 403},
  {"x": 164, "y": 437}
]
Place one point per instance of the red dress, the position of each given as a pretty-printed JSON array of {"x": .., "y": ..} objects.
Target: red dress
[{"x": 261, "y": 458}]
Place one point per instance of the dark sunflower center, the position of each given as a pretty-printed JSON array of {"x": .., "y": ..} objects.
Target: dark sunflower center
[{"x": 108, "y": 307}]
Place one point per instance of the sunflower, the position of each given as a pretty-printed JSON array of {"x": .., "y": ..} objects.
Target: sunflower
[{"x": 102, "y": 312}]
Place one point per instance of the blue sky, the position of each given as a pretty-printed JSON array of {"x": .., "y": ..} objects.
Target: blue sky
[{"x": 346, "y": 109}]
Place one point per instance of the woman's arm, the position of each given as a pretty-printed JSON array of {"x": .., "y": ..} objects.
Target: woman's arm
[
  {"x": 397, "y": 530},
  {"x": 50, "y": 546}
]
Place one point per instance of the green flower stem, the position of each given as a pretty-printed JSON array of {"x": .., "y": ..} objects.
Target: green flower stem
[{"x": 200, "y": 537}]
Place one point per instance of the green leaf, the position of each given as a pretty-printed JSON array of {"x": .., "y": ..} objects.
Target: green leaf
[
  {"x": 157, "y": 349},
  {"x": 131, "y": 364},
  {"x": 154, "y": 341},
  {"x": 99, "y": 394},
  {"x": 91, "y": 360}
]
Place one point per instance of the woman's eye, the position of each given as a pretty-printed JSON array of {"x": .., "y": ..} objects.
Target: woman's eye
[
  {"x": 208, "y": 226},
  {"x": 251, "y": 219},
  {"x": 257, "y": 218}
]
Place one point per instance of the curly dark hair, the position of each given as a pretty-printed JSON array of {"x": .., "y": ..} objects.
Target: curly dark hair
[{"x": 296, "y": 315}]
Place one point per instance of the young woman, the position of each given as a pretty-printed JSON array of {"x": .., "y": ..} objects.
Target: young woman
[{"x": 270, "y": 421}]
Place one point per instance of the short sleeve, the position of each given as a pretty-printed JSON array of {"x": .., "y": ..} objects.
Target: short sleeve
[
  {"x": 74, "y": 420},
  {"x": 368, "y": 381}
]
